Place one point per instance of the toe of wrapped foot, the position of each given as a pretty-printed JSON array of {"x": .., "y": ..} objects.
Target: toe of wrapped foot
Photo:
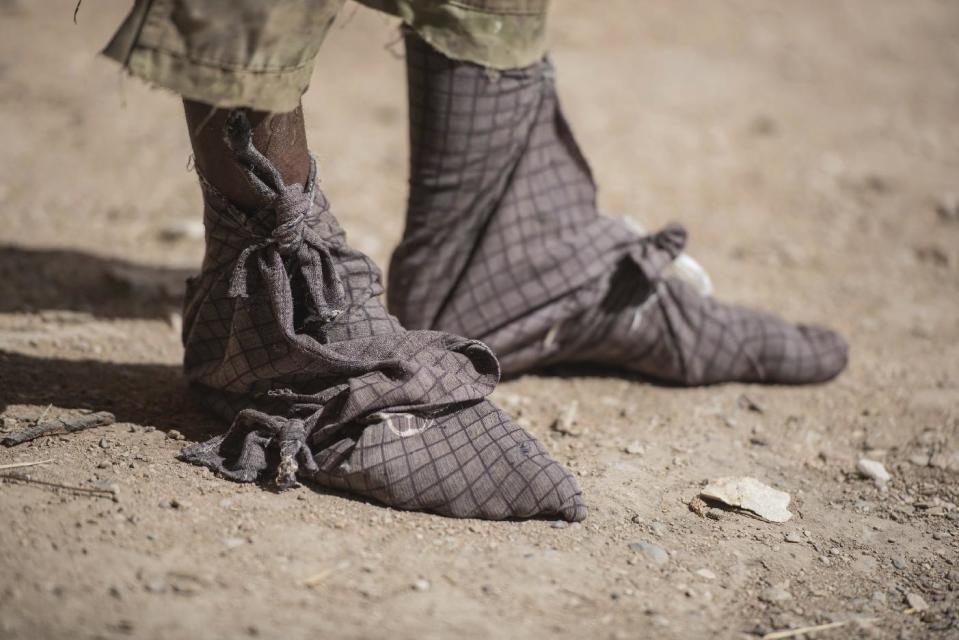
[
  {"x": 829, "y": 353},
  {"x": 474, "y": 463},
  {"x": 574, "y": 510},
  {"x": 538, "y": 488}
]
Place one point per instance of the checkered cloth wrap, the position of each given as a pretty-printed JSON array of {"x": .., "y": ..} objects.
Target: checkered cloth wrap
[
  {"x": 286, "y": 336},
  {"x": 504, "y": 244}
]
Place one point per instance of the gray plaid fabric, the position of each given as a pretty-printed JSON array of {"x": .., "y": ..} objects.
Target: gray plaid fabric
[
  {"x": 504, "y": 244},
  {"x": 286, "y": 336}
]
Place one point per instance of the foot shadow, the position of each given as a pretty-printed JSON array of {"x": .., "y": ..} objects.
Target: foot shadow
[
  {"x": 68, "y": 280},
  {"x": 588, "y": 370},
  {"x": 144, "y": 394}
]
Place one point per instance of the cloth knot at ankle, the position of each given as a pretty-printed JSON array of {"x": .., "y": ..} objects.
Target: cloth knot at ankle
[
  {"x": 292, "y": 247},
  {"x": 292, "y": 207}
]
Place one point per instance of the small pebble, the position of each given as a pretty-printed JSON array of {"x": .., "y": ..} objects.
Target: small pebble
[
  {"x": 793, "y": 537},
  {"x": 705, "y": 573},
  {"x": 655, "y": 553},
  {"x": 560, "y": 524},
  {"x": 107, "y": 485},
  {"x": 156, "y": 586},
  {"x": 920, "y": 459},
  {"x": 421, "y": 585},
  {"x": 104, "y": 443},
  {"x": 748, "y": 404},
  {"x": 873, "y": 470},
  {"x": 899, "y": 563},
  {"x": 566, "y": 423},
  {"x": 774, "y": 594},
  {"x": 233, "y": 543},
  {"x": 635, "y": 449},
  {"x": 916, "y": 602},
  {"x": 173, "y": 434}
]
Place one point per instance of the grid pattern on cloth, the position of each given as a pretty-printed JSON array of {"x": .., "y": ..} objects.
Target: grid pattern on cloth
[
  {"x": 504, "y": 243},
  {"x": 669, "y": 331},
  {"x": 286, "y": 336}
]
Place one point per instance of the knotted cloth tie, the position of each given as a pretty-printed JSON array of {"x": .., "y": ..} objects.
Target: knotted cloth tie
[{"x": 293, "y": 241}]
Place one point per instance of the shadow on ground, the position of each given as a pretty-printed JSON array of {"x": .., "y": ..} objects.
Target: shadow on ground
[
  {"x": 145, "y": 394},
  {"x": 68, "y": 280}
]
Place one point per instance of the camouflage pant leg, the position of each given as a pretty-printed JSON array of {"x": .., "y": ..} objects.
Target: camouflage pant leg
[
  {"x": 500, "y": 34},
  {"x": 260, "y": 53}
]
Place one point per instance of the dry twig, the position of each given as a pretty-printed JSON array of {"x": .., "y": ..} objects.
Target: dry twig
[
  {"x": 59, "y": 425},
  {"x": 100, "y": 493},
  {"x": 17, "y": 465},
  {"x": 798, "y": 631},
  {"x": 319, "y": 578}
]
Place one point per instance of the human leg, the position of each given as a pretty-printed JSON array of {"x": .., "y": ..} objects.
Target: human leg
[
  {"x": 504, "y": 243},
  {"x": 286, "y": 337}
]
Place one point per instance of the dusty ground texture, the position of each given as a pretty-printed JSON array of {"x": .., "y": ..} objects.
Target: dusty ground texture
[{"x": 810, "y": 147}]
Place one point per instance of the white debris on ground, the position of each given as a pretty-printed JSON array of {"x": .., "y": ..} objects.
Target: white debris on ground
[
  {"x": 751, "y": 495},
  {"x": 182, "y": 230},
  {"x": 635, "y": 449},
  {"x": 873, "y": 470}
]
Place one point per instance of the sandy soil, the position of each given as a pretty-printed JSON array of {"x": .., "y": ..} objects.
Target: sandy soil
[{"x": 810, "y": 147}]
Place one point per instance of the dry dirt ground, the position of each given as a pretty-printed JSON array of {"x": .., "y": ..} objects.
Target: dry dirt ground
[{"x": 811, "y": 148}]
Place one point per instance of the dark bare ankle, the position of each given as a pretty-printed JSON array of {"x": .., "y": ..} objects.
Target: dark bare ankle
[{"x": 281, "y": 137}]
